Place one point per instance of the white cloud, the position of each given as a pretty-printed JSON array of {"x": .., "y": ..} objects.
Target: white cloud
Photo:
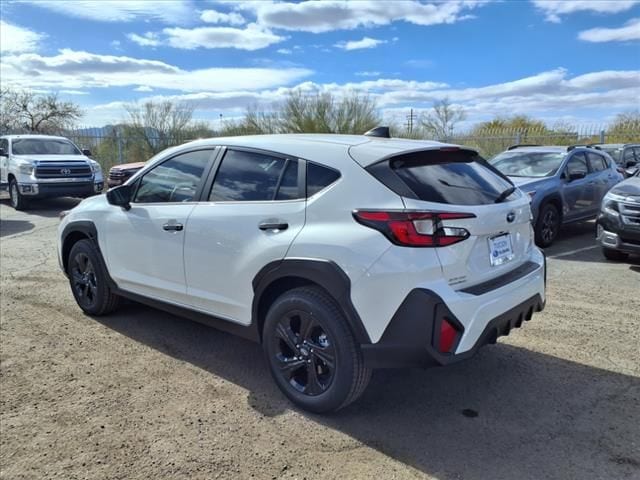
[
  {"x": 550, "y": 95},
  {"x": 318, "y": 16},
  {"x": 72, "y": 69},
  {"x": 167, "y": 11},
  {"x": 143, "y": 88},
  {"x": 368, "y": 74},
  {"x": 149, "y": 39},
  {"x": 366, "y": 42},
  {"x": 213, "y": 16},
  {"x": 252, "y": 37},
  {"x": 630, "y": 31},
  {"x": 553, "y": 9},
  {"x": 15, "y": 39},
  {"x": 74, "y": 92},
  {"x": 284, "y": 51}
]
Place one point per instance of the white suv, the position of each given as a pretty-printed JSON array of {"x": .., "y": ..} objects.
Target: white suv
[{"x": 338, "y": 253}]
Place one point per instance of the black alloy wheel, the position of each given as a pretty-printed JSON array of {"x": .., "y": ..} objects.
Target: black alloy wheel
[
  {"x": 83, "y": 280},
  {"x": 304, "y": 353}
]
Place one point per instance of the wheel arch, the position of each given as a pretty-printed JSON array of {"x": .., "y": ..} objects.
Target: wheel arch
[
  {"x": 554, "y": 199},
  {"x": 73, "y": 233},
  {"x": 278, "y": 277}
]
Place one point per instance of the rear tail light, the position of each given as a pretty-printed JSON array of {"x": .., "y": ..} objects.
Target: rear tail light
[{"x": 415, "y": 229}]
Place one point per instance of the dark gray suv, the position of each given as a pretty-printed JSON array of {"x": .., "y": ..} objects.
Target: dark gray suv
[{"x": 565, "y": 184}]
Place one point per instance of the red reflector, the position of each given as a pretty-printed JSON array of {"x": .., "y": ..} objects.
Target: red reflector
[{"x": 447, "y": 336}]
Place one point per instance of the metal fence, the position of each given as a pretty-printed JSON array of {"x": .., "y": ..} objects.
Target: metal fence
[{"x": 111, "y": 145}]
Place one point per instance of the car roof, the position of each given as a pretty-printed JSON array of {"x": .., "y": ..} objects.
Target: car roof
[
  {"x": 364, "y": 150},
  {"x": 541, "y": 149},
  {"x": 616, "y": 145},
  {"x": 14, "y": 137}
]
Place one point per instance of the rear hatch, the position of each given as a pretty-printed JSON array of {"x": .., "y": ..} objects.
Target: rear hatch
[{"x": 494, "y": 234}]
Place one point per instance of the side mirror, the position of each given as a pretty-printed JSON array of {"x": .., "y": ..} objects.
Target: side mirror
[
  {"x": 576, "y": 176},
  {"x": 3, "y": 153},
  {"x": 86, "y": 152},
  {"x": 120, "y": 196}
]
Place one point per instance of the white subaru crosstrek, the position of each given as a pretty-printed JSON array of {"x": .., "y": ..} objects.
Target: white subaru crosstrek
[{"x": 339, "y": 254}]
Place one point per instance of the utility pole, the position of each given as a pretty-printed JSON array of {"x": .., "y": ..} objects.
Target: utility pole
[{"x": 410, "y": 119}]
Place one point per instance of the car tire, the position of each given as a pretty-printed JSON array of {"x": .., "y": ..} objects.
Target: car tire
[
  {"x": 548, "y": 225},
  {"x": 311, "y": 351},
  {"x": 614, "y": 255},
  {"x": 18, "y": 201},
  {"x": 89, "y": 280}
]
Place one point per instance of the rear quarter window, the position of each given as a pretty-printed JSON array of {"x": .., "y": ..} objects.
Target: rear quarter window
[
  {"x": 319, "y": 178},
  {"x": 450, "y": 177}
]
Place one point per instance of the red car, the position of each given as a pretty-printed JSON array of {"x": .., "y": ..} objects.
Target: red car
[{"x": 121, "y": 173}]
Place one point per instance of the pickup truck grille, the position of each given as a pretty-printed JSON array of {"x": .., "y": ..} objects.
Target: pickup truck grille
[
  {"x": 63, "y": 170},
  {"x": 630, "y": 213}
]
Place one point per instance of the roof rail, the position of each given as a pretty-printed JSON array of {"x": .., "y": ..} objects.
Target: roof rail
[
  {"x": 380, "y": 132},
  {"x": 584, "y": 145},
  {"x": 513, "y": 147}
]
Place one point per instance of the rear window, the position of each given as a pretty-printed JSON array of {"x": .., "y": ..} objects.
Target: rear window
[
  {"x": 452, "y": 177},
  {"x": 319, "y": 178}
]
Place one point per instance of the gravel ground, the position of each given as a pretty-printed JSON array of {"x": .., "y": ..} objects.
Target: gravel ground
[{"x": 143, "y": 394}]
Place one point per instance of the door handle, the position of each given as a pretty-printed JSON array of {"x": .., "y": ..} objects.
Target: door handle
[
  {"x": 273, "y": 226},
  {"x": 172, "y": 227}
]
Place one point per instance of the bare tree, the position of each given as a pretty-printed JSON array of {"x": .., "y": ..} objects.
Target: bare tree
[
  {"x": 443, "y": 118},
  {"x": 160, "y": 124},
  {"x": 26, "y": 110}
]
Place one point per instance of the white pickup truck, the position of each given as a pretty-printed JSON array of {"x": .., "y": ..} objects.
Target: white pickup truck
[{"x": 44, "y": 166}]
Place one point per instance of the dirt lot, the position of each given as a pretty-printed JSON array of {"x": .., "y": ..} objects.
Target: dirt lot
[{"x": 143, "y": 394}]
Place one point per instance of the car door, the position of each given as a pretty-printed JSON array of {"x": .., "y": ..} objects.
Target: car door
[
  {"x": 255, "y": 209},
  {"x": 602, "y": 175},
  {"x": 144, "y": 245},
  {"x": 4, "y": 160},
  {"x": 578, "y": 188}
]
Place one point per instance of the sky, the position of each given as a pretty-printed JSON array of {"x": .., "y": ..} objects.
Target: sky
[{"x": 559, "y": 61}]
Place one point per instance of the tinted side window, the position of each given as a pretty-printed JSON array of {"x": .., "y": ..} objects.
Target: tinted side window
[
  {"x": 319, "y": 178},
  {"x": 288, "y": 189},
  {"x": 246, "y": 176},
  {"x": 4, "y": 144},
  {"x": 597, "y": 162},
  {"x": 175, "y": 180},
  {"x": 628, "y": 155},
  {"x": 577, "y": 164}
]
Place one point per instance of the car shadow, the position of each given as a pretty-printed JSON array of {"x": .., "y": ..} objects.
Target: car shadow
[
  {"x": 49, "y": 208},
  {"x": 11, "y": 227},
  {"x": 507, "y": 413}
]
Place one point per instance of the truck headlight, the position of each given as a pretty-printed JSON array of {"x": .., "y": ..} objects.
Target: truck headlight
[
  {"x": 26, "y": 169},
  {"x": 95, "y": 166},
  {"x": 610, "y": 204}
]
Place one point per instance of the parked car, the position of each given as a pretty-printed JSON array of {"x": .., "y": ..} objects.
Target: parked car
[
  {"x": 565, "y": 184},
  {"x": 618, "y": 224},
  {"x": 44, "y": 166},
  {"x": 118, "y": 174},
  {"x": 626, "y": 155},
  {"x": 339, "y": 254}
]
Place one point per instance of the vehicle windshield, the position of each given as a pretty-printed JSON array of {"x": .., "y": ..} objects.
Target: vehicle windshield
[
  {"x": 43, "y": 146},
  {"x": 616, "y": 153},
  {"x": 528, "y": 164}
]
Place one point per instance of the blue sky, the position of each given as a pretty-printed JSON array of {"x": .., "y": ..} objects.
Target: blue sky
[{"x": 572, "y": 61}]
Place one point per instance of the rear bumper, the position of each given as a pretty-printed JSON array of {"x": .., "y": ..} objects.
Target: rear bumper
[{"x": 410, "y": 341}]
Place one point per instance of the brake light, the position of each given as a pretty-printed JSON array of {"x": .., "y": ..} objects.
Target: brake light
[{"x": 415, "y": 229}]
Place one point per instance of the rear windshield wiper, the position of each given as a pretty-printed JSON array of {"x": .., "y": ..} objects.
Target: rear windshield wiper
[{"x": 504, "y": 195}]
